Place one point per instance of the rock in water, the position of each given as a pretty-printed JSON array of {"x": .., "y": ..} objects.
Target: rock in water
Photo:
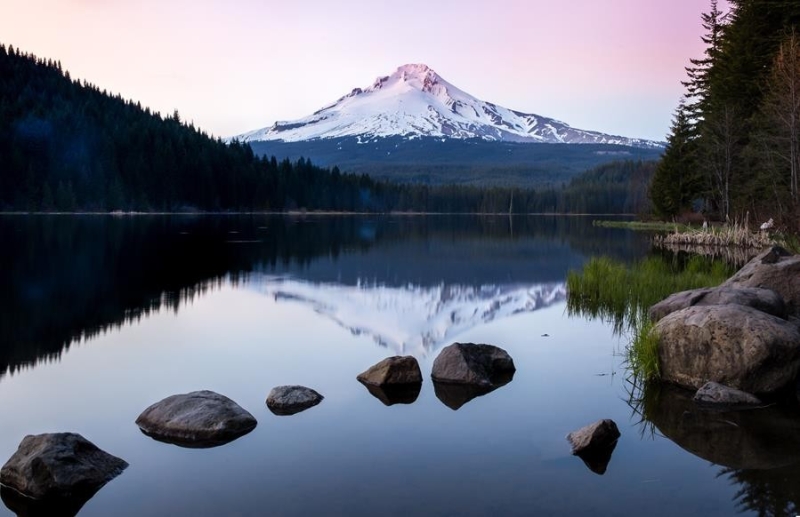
[
  {"x": 765, "y": 300},
  {"x": 714, "y": 394},
  {"x": 393, "y": 371},
  {"x": 288, "y": 400},
  {"x": 597, "y": 435},
  {"x": 199, "y": 419},
  {"x": 479, "y": 365},
  {"x": 595, "y": 443},
  {"x": 734, "y": 345},
  {"x": 59, "y": 466}
]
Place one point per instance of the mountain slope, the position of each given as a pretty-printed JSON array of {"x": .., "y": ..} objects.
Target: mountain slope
[{"x": 416, "y": 102}]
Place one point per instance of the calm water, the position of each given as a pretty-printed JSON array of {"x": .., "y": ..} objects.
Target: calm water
[{"x": 100, "y": 317}]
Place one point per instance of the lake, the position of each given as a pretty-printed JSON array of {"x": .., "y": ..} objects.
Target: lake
[{"x": 102, "y": 316}]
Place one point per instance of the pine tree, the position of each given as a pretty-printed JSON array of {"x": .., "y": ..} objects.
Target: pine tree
[{"x": 677, "y": 182}]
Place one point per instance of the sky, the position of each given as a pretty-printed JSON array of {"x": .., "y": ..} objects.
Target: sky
[{"x": 231, "y": 66}]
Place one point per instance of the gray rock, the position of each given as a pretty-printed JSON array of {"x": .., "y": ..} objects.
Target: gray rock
[
  {"x": 59, "y": 465},
  {"x": 199, "y": 419},
  {"x": 734, "y": 345},
  {"x": 288, "y": 400},
  {"x": 598, "y": 436},
  {"x": 479, "y": 365},
  {"x": 714, "y": 394},
  {"x": 765, "y": 300},
  {"x": 775, "y": 269},
  {"x": 393, "y": 371}
]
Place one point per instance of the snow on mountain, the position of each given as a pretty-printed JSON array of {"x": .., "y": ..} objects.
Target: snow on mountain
[
  {"x": 416, "y": 102},
  {"x": 412, "y": 319}
]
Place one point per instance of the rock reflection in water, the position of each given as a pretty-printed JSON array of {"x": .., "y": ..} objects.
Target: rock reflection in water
[
  {"x": 395, "y": 394},
  {"x": 764, "y": 438},
  {"x": 759, "y": 448},
  {"x": 598, "y": 459},
  {"x": 53, "y": 507},
  {"x": 456, "y": 395}
]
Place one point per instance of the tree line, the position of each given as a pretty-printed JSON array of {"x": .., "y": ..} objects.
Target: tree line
[
  {"x": 734, "y": 144},
  {"x": 66, "y": 145}
]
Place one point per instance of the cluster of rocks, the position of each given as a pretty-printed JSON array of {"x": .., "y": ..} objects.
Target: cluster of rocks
[
  {"x": 738, "y": 340},
  {"x": 64, "y": 470}
]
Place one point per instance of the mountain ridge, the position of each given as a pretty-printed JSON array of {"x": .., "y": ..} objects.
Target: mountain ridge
[{"x": 416, "y": 102}]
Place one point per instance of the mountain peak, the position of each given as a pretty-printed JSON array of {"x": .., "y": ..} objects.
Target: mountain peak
[
  {"x": 415, "y": 102},
  {"x": 414, "y": 75}
]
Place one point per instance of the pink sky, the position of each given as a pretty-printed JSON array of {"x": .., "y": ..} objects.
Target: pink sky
[{"x": 231, "y": 66}]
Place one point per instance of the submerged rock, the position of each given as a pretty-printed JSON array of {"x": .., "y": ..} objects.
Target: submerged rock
[
  {"x": 64, "y": 468},
  {"x": 288, "y": 400},
  {"x": 775, "y": 269},
  {"x": 480, "y": 365},
  {"x": 393, "y": 371},
  {"x": 765, "y": 300},
  {"x": 734, "y": 345},
  {"x": 716, "y": 395},
  {"x": 392, "y": 394},
  {"x": 199, "y": 419}
]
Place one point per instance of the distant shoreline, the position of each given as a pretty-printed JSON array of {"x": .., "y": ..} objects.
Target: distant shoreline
[{"x": 300, "y": 213}]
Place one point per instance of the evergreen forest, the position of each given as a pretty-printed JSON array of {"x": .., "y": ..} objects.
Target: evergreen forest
[{"x": 734, "y": 144}]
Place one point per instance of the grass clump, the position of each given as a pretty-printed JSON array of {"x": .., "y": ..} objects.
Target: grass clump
[
  {"x": 622, "y": 294},
  {"x": 642, "y": 353}
]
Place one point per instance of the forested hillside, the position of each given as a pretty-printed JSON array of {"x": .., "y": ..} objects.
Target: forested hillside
[{"x": 734, "y": 146}]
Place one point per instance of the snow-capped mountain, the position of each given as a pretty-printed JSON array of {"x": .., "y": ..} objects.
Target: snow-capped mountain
[
  {"x": 416, "y": 102},
  {"x": 412, "y": 319}
]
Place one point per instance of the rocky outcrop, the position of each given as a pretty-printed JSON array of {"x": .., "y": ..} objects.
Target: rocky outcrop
[
  {"x": 480, "y": 365},
  {"x": 765, "y": 300},
  {"x": 289, "y": 400},
  {"x": 738, "y": 346},
  {"x": 595, "y": 443},
  {"x": 198, "y": 419},
  {"x": 775, "y": 269},
  {"x": 719, "y": 396},
  {"x": 396, "y": 370},
  {"x": 59, "y": 466}
]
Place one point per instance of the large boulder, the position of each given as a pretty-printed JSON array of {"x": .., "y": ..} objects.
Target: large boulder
[
  {"x": 718, "y": 396},
  {"x": 479, "y": 365},
  {"x": 59, "y": 466},
  {"x": 198, "y": 419},
  {"x": 765, "y": 300},
  {"x": 775, "y": 269},
  {"x": 734, "y": 345},
  {"x": 288, "y": 400},
  {"x": 393, "y": 371}
]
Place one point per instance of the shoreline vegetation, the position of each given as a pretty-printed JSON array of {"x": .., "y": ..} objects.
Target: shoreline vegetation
[{"x": 622, "y": 295}]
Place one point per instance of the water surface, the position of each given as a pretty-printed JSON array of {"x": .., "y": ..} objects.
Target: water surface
[{"x": 100, "y": 317}]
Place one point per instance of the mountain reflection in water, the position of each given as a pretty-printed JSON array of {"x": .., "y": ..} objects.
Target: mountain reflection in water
[
  {"x": 413, "y": 319},
  {"x": 69, "y": 278}
]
